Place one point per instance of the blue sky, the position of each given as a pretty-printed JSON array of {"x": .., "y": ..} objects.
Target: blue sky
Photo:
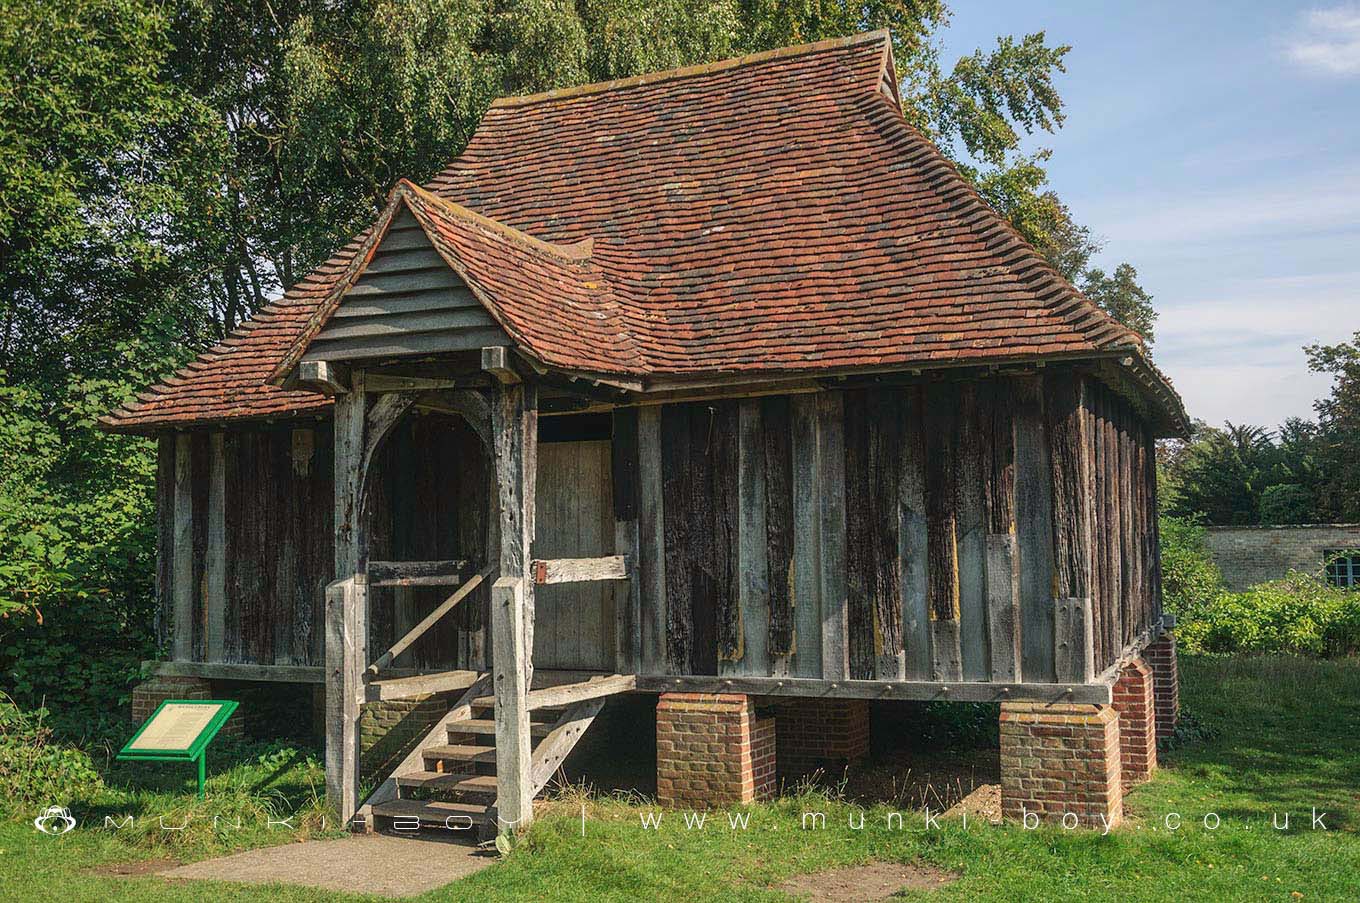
[{"x": 1216, "y": 147}]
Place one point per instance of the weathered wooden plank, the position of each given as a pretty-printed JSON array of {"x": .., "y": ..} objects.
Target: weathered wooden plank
[
  {"x": 346, "y": 653},
  {"x": 1074, "y": 646},
  {"x": 1128, "y": 585},
  {"x": 1073, "y": 626},
  {"x": 830, "y": 476},
  {"x": 942, "y": 411},
  {"x": 627, "y": 539},
  {"x": 913, "y": 538},
  {"x": 419, "y": 685},
  {"x": 1003, "y": 614},
  {"x": 399, "y": 324},
  {"x": 468, "y": 339},
  {"x": 201, "y": 457},
  {"x": 443, "y": 572},
  {"x": 778, "y": 475},
  {"x": 1034, "y": 528},
  {"x": 1113, "y": 517},
  {"x": 552, "y": 750},
  {"x": 579, "y": 570},
  {"x": 510, "y": 655},
  {"x": 652, "y": 544},
  {"x": 724, "y": 493},
  {"x": 752, "y": 545},
  {"x": 165, "y": 536},
  {"x": 215, "y": 564},
  {"x": 309, "y": 674},
  {"x": 971, "y": 474},
  {"x": 939, "y": 691},
  {"x": 860, "y": 527},
  {"x": 679, "y": 462},
  {"x": 421, "y": 280},
  {"x": 806, "y": 562},
  {"x": 183, "y": 572},
  {"x": 999, "y": 427},
  {"x": 391, "y": 258}
]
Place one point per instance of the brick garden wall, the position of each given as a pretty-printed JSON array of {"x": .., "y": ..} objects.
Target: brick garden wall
[{"x": 1251, "y": 555}]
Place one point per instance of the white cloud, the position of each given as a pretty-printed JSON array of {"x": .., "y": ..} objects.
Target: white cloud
[{"x": 1328, "y": 41}]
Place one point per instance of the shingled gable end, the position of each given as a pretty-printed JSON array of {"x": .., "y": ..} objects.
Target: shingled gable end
[{"x": 719, "y": 384}]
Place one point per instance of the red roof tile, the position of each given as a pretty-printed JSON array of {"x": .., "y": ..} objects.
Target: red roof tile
[{"x": 764, "y": 215}]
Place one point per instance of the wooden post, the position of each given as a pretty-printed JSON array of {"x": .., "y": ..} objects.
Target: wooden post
[
  {"x": 510, "y": 657},
  {"x": 346, "y": 653},
  {"x": 346, "y": 613},
  {"x": 752, "y": 547},
  {"x": 215, "y": 561},
  {"x": 349, "y": 452},
  {"x": 182, "y": 570},
  {"x": 514, "y": 414}
]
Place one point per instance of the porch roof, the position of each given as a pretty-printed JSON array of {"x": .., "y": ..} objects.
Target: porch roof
[{"x": 765, "y": 216}]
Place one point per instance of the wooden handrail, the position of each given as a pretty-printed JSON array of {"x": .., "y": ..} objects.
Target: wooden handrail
[{"x": 429, "y": 621}]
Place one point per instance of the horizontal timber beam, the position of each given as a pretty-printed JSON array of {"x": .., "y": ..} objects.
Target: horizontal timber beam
[
  {"x": 416, "y": 573},
  {"x": 244, "y": 671},
  {"x": 580, "y": 570},
  {"x": 944, "y": 691}
]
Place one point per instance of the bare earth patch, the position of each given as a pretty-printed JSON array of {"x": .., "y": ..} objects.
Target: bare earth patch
[
  {"x": 984, "y": 803},
  {"x": 875, "y": 881},
  {"x": 132, "y": 869}
]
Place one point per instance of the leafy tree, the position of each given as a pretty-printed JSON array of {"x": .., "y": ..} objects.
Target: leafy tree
[
  {"x": 1337, "y": 437},
  {"x": 1120, "y": 296},
  {"x": 323, "y": 105}
]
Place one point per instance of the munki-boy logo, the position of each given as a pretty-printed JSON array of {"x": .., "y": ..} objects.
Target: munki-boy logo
[{"x": 54, "y": 820}]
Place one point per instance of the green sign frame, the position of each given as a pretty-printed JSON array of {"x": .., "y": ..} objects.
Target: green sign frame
[{"x": 197, "y": 749}]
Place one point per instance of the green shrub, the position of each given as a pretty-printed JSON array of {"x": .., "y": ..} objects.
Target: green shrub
[
  {"x": 1190, "y": 579},
  {"x": 35, "y": 771},
  {"x": 1298, "y": 615}
]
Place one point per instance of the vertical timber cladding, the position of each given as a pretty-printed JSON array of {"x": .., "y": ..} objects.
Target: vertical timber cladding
[
  {"x": 699, "y": 504},
  {"x": 277, "y": 519}
]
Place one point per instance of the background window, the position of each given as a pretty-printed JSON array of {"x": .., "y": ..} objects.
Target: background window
[{"x": 1343, "y": 567}]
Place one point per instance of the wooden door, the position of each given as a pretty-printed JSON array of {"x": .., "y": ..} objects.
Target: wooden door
[{"x": 574, "y": 622}]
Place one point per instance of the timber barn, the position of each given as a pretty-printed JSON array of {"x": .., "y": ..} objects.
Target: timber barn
[{"x": 718, "y": 387}]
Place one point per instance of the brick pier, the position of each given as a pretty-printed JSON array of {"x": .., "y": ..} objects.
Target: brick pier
[
  {"x": 712, "y": 749},
  {"x": 1061, "y": 760}
]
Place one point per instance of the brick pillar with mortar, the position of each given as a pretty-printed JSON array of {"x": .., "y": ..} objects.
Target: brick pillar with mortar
[
  {"x": 1061, "y": 760},
  {"x": 712, "y": 749},
  {"x": 149, "y": 694},
  {"x": 821, "y": 733},
  {"x": 1166, "y": 688},
  {"x": 1133, "y": 697}
]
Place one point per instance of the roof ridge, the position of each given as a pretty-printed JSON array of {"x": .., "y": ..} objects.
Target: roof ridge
[
  {"x": 577, "y": 252},
  {"x": 648, "y": 78}
]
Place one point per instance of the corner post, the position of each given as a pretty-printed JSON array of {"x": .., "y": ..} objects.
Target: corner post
[
  {"x": 514, "y": 414},
  {"x": 346, "y": 612},
  {"x": 346, "y": 652}
]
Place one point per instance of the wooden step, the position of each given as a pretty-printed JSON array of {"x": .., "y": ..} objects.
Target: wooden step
[
  {"x": 473, "y": 785},
  {"x": 487, "y": 727},
  {"x": 466, "y": 817},
  {"x": 461, "y": 752}
]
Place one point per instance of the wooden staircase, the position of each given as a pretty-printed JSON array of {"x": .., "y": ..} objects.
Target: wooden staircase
[{"x": 449, "y": 780}]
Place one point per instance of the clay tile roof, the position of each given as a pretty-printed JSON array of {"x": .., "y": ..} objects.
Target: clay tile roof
[{"x": 764, "y": 215}]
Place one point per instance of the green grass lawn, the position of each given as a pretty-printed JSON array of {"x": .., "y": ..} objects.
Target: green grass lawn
[{"x": 1283, "y": 737}]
